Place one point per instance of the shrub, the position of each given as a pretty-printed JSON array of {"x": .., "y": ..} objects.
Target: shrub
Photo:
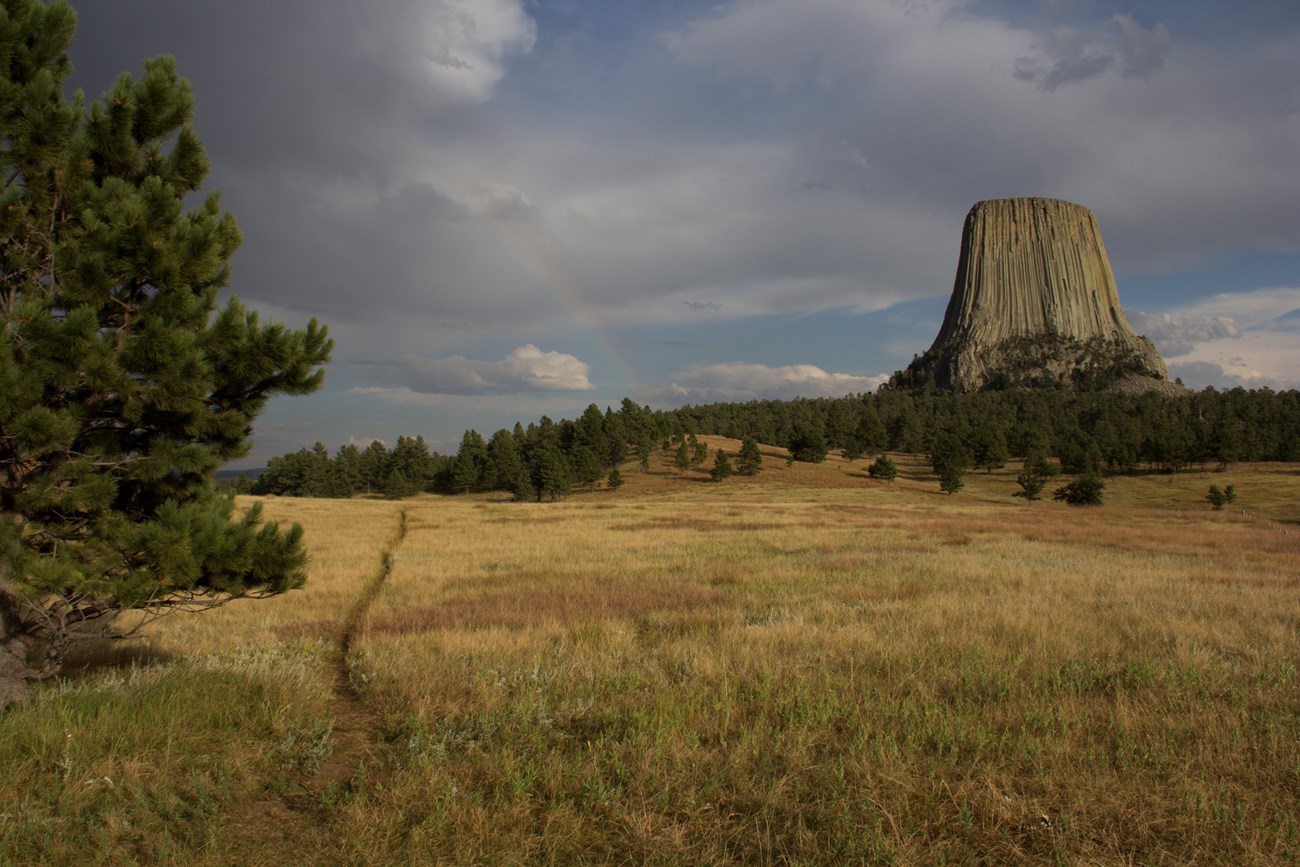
[
  {"x": 883, "y": 469},
  {"x": 1086, "y": 490}
]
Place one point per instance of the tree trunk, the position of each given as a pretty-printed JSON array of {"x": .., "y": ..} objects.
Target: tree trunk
[{"x": 14, "y": 647}]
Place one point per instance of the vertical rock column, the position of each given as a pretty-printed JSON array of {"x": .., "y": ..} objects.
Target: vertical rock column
[{"x": 1030, "y": 269}]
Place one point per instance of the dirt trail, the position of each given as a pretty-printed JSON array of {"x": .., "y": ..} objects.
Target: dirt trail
[
  {"x": 356, "y": 725},
  {"x": 270, "y": 824}
]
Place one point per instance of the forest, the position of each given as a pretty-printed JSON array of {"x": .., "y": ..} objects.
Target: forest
[{"x": 1084, "y": 431}]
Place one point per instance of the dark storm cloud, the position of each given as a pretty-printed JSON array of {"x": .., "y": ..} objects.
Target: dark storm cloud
[
  {"x": 1067, "y": 55},
  {"x": 315, "y": 116}
]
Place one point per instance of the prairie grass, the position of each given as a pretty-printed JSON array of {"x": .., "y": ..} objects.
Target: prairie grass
[
  {"x": 140, "y": 751},
  {"x": 801, "y": 667}
]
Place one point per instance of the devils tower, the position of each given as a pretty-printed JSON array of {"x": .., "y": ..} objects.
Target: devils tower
[{"x": 1034, "y": 304}]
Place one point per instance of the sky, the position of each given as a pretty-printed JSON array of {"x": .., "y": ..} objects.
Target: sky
[{"x": 505, "y": 209}]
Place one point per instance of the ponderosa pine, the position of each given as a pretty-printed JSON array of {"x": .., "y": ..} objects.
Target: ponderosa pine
[{"x": 123, "y": 385}]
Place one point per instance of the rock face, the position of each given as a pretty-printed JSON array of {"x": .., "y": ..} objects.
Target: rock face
[{"x": 1034, "y": 304}]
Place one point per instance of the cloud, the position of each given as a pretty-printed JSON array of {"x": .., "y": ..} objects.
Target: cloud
[
  {"x": 460, "y": 46},
  {"x": 497, "y": 201},
  {"x": 1178, "y": 334},
  {"x": 1201, "y": 374},
  {"x": 1265, "y": 308},
  {"x": 1141, "y": 52},
  {"x": 1067, "y": 55},
  {"x": 769, "y": 156},
  {"x": 742, "y": 381},
  {"x": 1255, "y": 347},
  {"x": 526, "y": 369}
]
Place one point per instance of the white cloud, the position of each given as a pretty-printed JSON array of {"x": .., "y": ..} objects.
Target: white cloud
[
  {"x": 1200, "y": 374},
  {"x": 1255, "y": 346},
  {"x": 1256, "y": 309},
  {"x": 459, "y": 47},
  {"x": 526, "y": 369},
  {"x": 741, "y": 381},
  {"x": 1178, "y": 334}
]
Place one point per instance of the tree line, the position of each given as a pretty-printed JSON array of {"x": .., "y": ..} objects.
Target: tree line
[
  {"x": 1107, "y": 432},
  {"x": 1085, "y": 432}
]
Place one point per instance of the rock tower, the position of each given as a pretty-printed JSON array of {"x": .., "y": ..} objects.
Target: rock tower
[{"x": 1034, "y": 304}]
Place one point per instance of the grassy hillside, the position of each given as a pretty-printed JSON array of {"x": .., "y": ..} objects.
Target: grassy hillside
[{"x": 801, "y": 667}]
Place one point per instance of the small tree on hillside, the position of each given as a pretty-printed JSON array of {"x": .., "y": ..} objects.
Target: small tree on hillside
[
  {"x": 1086, "y": 490},
  {"x": 749, "y": 462},
  {"x": 721, "y": 466},
  {"x": 682, "y": 457},
  {"x": 1031, "y": 484},
  {"x": 952, "y": 478},
  {"x": 950, "y": 459},
  {"x": 883, "y": 468},
  {"x": 123, "y": 384},
  {"x": 699, "y": 450}
]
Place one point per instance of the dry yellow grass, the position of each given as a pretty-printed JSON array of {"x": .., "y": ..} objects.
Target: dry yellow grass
[
  {"x": 805, "y": 667},
  {"x": 345, "y": 538},
  {"x": 810, "y": 667}
]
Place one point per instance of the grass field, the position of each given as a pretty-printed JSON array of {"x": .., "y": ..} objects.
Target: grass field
[{"x": 803, "y": 667}]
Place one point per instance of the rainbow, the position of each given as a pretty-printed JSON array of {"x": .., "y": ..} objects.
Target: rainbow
[{"x": 527, "y": 244}]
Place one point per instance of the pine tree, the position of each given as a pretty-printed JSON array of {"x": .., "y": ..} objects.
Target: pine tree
[
  {"x": 643, "y": 455},
  {"x": 989, "y": 447},
  {"x": 952, "y": 478},
  {"x": 699, "y": 450},
  {"x": 587, "y": 467},
  {"x": 123, "y": 386},
  {"x": 721, "y": 466},
  {"x": 870, "y": 433},
  {"x": 750, "y": 460},
  {"x": 883, "y": 468},
  {"x": 1086, "y": 490},
  {"x": 506, "y": 471},
  {"x": 808, "y": 444},
  {"x": 950, "y": 459},
  {"x": 471, "y": 465},
  {"x": 348, "y": 461},
  {"x": 1031, "y": 483},
  {"x": 550, "y": 473},
  {"x": 1037, "y": 469},
  {"x": 682, "y": 457},
  {"x": 374, "y": 466}
]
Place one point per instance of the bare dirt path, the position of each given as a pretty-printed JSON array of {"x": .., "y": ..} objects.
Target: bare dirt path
[{"x": 257, "y": 829}]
